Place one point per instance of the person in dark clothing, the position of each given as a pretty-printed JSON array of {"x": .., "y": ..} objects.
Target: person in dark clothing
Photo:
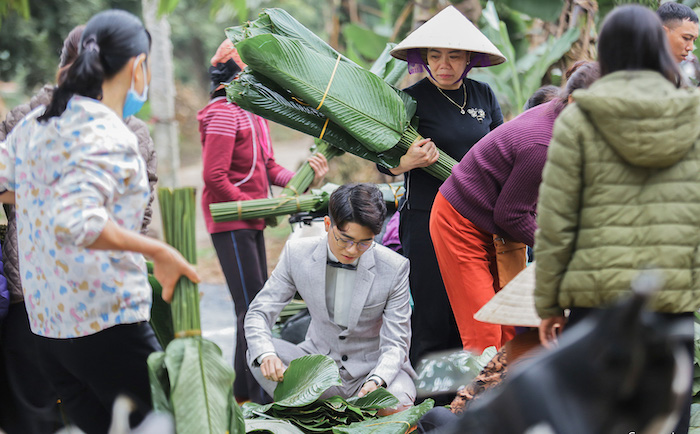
[{"x": 454, "y": 112}]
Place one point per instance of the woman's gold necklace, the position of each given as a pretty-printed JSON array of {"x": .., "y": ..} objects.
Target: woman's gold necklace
[{"x": 460, "y": 107}]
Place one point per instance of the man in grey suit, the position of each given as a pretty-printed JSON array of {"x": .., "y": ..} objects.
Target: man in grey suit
[{"x": 357, "y": 294}]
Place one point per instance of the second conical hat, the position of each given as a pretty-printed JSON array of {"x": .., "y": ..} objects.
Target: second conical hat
[{"x": 452, "y": 30}]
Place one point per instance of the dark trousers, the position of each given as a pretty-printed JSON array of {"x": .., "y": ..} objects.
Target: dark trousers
[
  {"x": 579, "y": 313},
  {"x": 433, "y": 323},
  {"x": 28, "y": 400},
  {"x": 243, "y": 260},
  {"x": 89, "y": 372}
]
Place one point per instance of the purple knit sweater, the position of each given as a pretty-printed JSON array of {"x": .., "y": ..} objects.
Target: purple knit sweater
[{"x": 495, "y": 186}]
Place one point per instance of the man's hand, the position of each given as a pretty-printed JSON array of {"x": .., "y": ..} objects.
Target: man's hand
[
  {"x": 368, "y": 387},
  {"x": 273, "y": 369},
  {"x": 550, "y": 328}
]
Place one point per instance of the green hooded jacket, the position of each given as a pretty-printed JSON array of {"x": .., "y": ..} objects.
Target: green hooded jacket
[{"x": 621, "y": 192}]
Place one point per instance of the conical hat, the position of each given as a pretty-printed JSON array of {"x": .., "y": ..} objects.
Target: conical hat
[
  {"x": 514, "y": 304},
  {"x": 452, "y": 30}
]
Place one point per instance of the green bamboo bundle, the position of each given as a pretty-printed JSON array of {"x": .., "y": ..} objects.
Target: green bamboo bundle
[
  {"x": 261, "y": 208},
  {"x": 303, "y": 177},
  {"x": 190, "y": 379},
  {"x": 278, "y": 206},
  {"x": 178, "y": 214}
]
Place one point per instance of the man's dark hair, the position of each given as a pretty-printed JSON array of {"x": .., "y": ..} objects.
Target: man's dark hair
[
  {"x": 632, "y": 38},
  {"x": 362, "y": 204},
  {"x": 672, "y": 11}
]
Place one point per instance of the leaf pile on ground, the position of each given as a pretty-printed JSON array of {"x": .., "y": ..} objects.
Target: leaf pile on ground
[{"x": 298, "y": 401}]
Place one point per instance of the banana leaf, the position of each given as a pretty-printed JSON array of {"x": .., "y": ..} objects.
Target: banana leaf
[
  {"x": 277, "y": 21},
  {"x": 398, "y": 423},
  {"x": 377, "y": 400},
  {"x": 306, "y": 379},
  {"x": 257, "y": 94},
  {"x": 362, "y": 103},
  {"x": 262, "y": 426},
  {"x": 389, "y": 68},
  {"x": 190, "y": 379}
]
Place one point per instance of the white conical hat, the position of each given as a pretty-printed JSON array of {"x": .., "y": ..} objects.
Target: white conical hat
[
  {"x": 514, "y": 304},
  {"x": 449, "y": 29}
]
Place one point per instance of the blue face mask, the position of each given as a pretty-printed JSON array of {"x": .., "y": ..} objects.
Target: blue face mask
[{"x": 134, "y": 101}]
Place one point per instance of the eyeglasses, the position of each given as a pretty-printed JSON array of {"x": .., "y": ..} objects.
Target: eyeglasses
[{"x": 346, "y": 244}]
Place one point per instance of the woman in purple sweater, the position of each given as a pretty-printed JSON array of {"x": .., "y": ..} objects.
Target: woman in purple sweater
[{"x": 488, "y": 205}]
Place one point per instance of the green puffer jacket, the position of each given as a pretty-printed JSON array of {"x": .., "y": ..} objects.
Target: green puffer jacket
[{"x": 621, "y": 192}]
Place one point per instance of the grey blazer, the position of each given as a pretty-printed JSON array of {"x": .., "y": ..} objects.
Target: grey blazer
[{"x": 379, "y": 329}]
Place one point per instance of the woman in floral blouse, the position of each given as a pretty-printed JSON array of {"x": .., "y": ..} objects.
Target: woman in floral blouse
[{"x": 80, "y": 188}]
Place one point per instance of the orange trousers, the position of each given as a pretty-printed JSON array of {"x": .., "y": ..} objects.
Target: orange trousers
[{"x": 467, "y": 258}]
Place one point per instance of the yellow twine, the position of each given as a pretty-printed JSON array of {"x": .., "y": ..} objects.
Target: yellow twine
[
  {"x": 323, "y": 131},
  {"x": 240, "y": 210},
  {"x": 285, "y": 201},
  {"x": 325, "y": 94},
  {"x": 294, "y": 190},
  {"x": 299, "y": 101},
  {"x": 188, "y": 333},
  {"x": 396, "y": 196}
]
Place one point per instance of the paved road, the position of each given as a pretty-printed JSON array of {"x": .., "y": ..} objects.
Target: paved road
[{"x": 218, "y": 317}]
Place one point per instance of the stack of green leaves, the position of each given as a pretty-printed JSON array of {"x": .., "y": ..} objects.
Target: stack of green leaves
[
  {"x": 297, "y": 401},
  {"x": 298, "y": 66},
  {"x": 276, "y": 206},
  {"x": 190, "y": 379}
]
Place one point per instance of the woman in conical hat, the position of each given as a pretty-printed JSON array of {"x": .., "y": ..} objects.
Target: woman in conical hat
[{"x": 454, "y": 113}]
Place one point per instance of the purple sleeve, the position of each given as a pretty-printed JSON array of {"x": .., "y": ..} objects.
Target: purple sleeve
[{"x": 515, "y": 207}]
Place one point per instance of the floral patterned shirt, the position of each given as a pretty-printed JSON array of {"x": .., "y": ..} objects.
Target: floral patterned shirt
[{"x": 70, "y": 176}]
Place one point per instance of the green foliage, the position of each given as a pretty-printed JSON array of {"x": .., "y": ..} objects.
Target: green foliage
[
  {"x": 306, "y": 379},
  {"x": 547, "y": 10},
  {"x": 190, "y": 379},
  {"x": 517, "y": 79},
  {"x": 264, "y": 426},
  {"x": 30, "y": 45},
  {"x": 398, "y": 423},
  {"x": 297, "y": 401},
  {"x": 161, "y": 315},
  {"x": 364, "y": 42}
]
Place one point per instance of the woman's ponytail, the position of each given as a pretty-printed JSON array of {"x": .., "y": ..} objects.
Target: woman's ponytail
[
  {"x": 108, "y": 41},
  {"x": 84, "y": 77}
]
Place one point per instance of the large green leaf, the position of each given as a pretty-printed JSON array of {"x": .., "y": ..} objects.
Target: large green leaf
[
  {"x": 398, "y": 423},
  {"x": 389, "y": 68},
  {"x": 158, "y": 379},
  {"x": 277, "y": 21},
  {"x": 376, "y": 400},
  {"x": 368, "y": 43},
  {"x": 260, "y": 426},
  {"x": 255, "y": 93},
  {"x": 357, "y": 100},
  {"x": 306, "y": 379},
  {"x": 535, "y": 64},
  {"x": 201, "y": 386}
]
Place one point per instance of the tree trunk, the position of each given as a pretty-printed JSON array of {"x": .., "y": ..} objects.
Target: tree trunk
[{"x": 162, "y": 95}]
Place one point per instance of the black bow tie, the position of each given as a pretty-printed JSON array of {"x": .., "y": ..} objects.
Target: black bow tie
[{"x": 335, "y": 264}]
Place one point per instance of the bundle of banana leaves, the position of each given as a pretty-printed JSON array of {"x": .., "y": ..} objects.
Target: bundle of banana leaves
[
  {"x": 276, "y": 206},
  {"x": 296, "y": 79},
  {"x": 190, "y": 379},
  {"x": 298, "y": 404}
]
